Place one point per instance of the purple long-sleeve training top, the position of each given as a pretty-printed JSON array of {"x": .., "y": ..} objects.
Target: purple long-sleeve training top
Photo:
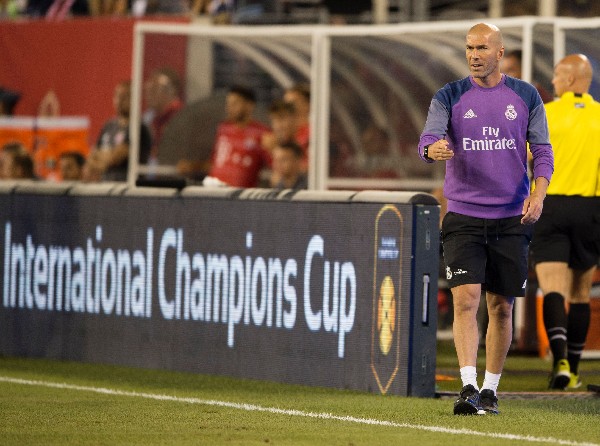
[{"x": 488, "y": 129}]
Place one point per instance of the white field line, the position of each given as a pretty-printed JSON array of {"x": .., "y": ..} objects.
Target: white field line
[{"x": 294, "y": 413}]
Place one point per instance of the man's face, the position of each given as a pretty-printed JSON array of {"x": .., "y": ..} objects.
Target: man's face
[
  {"x": 284, "y": 126},
  {"x": 122, "y": 100},
  {"x": 561, "y": 79},
  {"x": 7, "y": 166},
  {"x": 237, "y": 108},
  {"x": 511, "y": 67},
  {"x": 284, "y": 162},
  {"x": 483, "y": 54},
  {"x": 69, "y": 169},
  {"x": 301, "y": 105},
  {"x": 3, "y": 163},
  {"x": 158, "y": 91}
]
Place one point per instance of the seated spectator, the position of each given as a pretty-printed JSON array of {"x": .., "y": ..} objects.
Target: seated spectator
[
  {"x": 287, "y": 166},
  {"x": 15, "y": 162},
  {"x": 284, "y": 128},
  {"x": 108, "y": 7},
  {"x": 112, "y": 147},
  {"x": 342, "y": 10},
  {"x": 284, "y": 124},
  {"x": 376, "y": 159},
  {"x": 238, "y": 155},
  {"x": 56, "y": 9},
  {"x": 8, "y": 101},
  {"x": 71, "y": 165},
  {"x": 299, "y": 96},
  {"x": 189, "y": 139},
  {"x": 163, "y": 7},
  {"x": 511, "y": 66},
  {"x": 92, "y": 170},
  {"x": 199, "y": 7},
  {"x": 7, "y": 151},
  {"x": 61, "y": 9},
  {"x": 162, "y": 90},
  {"x": 221, "y": 11}
]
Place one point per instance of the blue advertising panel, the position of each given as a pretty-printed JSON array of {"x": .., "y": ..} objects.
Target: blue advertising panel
[{"x": 297, "y": 291}]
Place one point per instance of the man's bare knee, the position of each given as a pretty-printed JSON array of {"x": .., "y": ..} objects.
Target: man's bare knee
[{"x": 500, "y": 308}]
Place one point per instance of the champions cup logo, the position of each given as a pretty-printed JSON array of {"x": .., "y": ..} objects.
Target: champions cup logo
[
  {"x": 386, "y": 320},
  {"x": 510, "y": 113},
  {"x": 385, "y": 331}
]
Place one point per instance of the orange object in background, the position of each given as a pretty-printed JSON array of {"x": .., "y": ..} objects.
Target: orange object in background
[
  {"x": 593, "y": 338},
  {"x": 543, "y": 344},
  {"x": 17, "y": 129},
  {"x": 47, "y": 139}
]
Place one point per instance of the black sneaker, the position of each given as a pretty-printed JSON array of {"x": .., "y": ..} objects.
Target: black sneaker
[
  {"x": 489, "y": 402},
  {"x": 468, "y": 403}
]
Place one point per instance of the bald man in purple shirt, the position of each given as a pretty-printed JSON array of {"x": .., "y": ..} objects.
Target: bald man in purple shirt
[{"x": 480, "y": 126}]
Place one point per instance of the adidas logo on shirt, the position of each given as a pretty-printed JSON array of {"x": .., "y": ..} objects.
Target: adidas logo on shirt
[{"x": 470, "y": 114}]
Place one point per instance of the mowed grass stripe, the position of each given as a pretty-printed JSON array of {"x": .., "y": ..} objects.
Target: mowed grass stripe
[{"x": 288, "y": 412}]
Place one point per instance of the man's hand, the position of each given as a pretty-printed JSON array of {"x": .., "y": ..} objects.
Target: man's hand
[
  {"x": 532, "y": 208},
  {"x": 439, "y": 151}
]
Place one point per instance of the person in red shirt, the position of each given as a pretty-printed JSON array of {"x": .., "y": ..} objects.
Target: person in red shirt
[
  {"x": 299, "y": 96},
  {"x": 238, "y": 155}
]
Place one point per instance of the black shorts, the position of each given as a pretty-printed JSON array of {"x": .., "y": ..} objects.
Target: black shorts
[
  {"x": 492, "y": 252},
  {"x": 568, "y": 231}
]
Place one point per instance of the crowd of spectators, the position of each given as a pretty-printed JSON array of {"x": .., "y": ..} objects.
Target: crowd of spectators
[
  {"x": 228, "y": 11},
  {"x": 287, "y": 125},
  {"x": 245, "y": 151},
  {"x": 221, "y": 11}
]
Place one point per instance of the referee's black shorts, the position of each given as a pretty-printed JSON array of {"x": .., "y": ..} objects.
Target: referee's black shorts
[
  {"x": 568, "y": 231},
  {"x": 492, "y": 252}
]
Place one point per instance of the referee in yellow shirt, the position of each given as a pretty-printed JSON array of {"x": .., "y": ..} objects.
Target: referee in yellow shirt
[{"x": 566, "y": 240}]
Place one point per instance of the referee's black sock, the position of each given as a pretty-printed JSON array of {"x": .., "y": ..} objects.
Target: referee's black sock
[
  {"x": 577, "y": 330},
  {"x": 555, "y": 321}
]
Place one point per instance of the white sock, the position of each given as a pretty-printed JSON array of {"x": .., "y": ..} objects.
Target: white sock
[
  {"x": 491, "y": 381},
  {"x": 468, "y": 375}
]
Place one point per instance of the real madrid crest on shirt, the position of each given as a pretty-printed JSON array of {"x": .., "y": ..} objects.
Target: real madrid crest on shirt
[
  {"x": 510, "y": 113},
  {"x": 448, "y": 273}
]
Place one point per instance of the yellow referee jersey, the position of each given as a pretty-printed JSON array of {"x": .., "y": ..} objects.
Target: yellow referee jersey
[{"x": 574, "y": 124}]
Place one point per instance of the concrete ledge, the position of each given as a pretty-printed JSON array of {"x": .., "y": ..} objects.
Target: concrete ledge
[
  {"x": 209, "y": 192},
  {"x": 97, "y": 189},
  {"x": 263, "y": 194},
  {"x": 159, "y": 192},
  {"x": 382, "y": 196},
  {"x": 340, "y": 196},
  {"x": 42, "y": 188},
  {"x": 8, "y": 186}
]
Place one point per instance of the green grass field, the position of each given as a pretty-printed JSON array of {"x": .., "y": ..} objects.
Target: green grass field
[{"x": 58, "y": 403}]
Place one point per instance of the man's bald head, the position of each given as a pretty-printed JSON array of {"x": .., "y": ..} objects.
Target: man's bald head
[
  {"x": 579, "y": 66},
  {"x": 484, "y": 50},
  {"x": 573, "y": 73},
  {"x": 494, "y": 33}
]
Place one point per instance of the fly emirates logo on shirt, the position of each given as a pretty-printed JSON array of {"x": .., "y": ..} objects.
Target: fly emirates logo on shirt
[{"x": 490, "y": 140}]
